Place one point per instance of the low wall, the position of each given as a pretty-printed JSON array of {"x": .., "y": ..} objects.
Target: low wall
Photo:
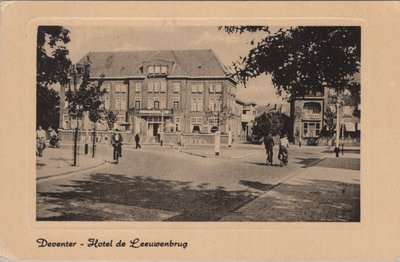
[
  {"x": 192, "y": 139},
  {"x": 102, "y": 137}
]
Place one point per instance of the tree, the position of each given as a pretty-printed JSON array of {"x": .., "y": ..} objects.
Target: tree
[
  {"x": 111, "y": 118},
  {"x": 274, "y": 122},
  {"x": 302, "y": 59},
  {"x": 52, "y": 64},
  {"x": 88, "y": 97},
  {"x": 329, "y": 128}
]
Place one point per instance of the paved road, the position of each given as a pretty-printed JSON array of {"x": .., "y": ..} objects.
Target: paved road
[{"x": 156, "y": 184}]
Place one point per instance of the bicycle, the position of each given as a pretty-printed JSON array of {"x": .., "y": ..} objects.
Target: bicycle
[{"x": 117, "y": 151}]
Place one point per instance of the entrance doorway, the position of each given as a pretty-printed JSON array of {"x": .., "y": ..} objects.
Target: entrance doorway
[{"x": 155, "y": 129}]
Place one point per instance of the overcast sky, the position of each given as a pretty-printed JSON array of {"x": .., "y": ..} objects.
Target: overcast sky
[{"x": 227, "y": 47}]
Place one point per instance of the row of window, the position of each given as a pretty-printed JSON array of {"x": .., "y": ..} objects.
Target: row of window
[
  {"x": 157, "y": 69},
  {"x": 161, "y": 86}
]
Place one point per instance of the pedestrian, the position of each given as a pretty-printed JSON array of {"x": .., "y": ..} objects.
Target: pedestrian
[
  {"x": 40, "y": 141},
  {"x": 269, "y": 145},
  {"x": 117, "y": 141},
  {"x": 137, "y": 140}
]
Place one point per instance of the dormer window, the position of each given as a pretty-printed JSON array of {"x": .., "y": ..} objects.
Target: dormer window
[{"x": 157, "y": 70}]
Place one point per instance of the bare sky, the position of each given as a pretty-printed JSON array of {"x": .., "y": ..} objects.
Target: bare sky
[{"x": 227, "y": 47}]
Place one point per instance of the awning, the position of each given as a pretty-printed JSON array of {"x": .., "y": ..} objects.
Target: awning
[{"x": 350, "y": 127}]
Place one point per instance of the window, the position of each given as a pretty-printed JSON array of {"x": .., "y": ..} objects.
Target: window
[
  {"x": 117, "y": 103},
  {"x": 163, "y": 105},
  {"x": 177, "y": 87},
  {"x": 120, "y": 118},
  {"x": 199, "y": 104},
  {"x": 107, "y": 103},
  {"x": 156, "y": 86},
  {"x": 150, "y": 87},
  {"x": 311, "y": 129},
  {"x": 164, "y": 69},
  {"x": 151, "y": 69},
  {"x": 216, "y": 88},
  {"x": 211, "y": 104},
  {"x": 196, "y": 120},
  {"x": 120, "y": 88},
  {"x": 197, "y": 88},
  {"x": 106, "y": 87},
  {"x": 176, "y": 103},
  {"x": 312, "y": 108},
  {"x": 157, "y": 69},
  {"x": 137, "y": 103},
  {"x": 150, "y": 103},
  {"x": 193, "y": 105},
  {"x": 123, "y": 103},
  {"x": 163, "y": 88},
  {"x": 138, "y": 87},
  {"x": 156, "y": 104}
]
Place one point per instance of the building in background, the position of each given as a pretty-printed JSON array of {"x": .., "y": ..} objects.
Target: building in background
[
  {"x": 248, "y": 115},
  {"x": 309, "y": 114},
  {"x": 185, "y": 91}
]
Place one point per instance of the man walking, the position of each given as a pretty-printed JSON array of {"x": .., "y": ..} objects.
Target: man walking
[
  {"x": 40, "y": 141},
  {"x": 269, "y": 145},
  {"x": 137, "y": 140}
]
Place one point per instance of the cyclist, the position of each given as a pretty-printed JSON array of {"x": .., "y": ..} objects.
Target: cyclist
[
  {"x": 283, "y": 146},
  {"x": 116, "y": 141},
  {"x": 269, "y": 145}
]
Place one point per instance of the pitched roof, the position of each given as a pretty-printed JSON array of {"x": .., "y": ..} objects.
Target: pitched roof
[{"x": 190, "y": 63}]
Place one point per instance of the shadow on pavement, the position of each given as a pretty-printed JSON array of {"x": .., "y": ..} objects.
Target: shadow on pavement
[
  {"x": 188, "y": 202},
  {"x": 343, "y": 163},
  {"x": 261, "y": 164},
  {"x": 308, "y": 200},
  {"x": 257, "y": 185},
  {"x": 306, "y": 162}
]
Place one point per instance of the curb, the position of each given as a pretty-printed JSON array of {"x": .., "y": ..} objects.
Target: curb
[{"x": 73, "y": 171}]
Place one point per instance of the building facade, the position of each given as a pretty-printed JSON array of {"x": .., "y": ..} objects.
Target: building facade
[
  {"x": 310, "y": 112},
  {"x": 185, "y": 91}
]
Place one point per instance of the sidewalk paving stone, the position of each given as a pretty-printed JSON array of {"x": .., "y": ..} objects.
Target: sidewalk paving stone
[
  {"x": 318, "y": 193},
  {"x": 59, "y": 161}
]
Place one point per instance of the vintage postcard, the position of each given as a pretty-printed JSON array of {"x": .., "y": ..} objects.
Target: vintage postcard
[{"x": 178, "y": 130}]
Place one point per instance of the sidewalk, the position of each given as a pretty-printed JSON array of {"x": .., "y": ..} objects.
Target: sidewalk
[
  {"x": 57, "y": 162},
  {"x": 319, "y": 193}
]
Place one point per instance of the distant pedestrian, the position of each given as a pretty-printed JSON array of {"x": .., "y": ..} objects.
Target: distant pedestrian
[
  {"x": 40, "y": 141},
  {"x": 269, "y": 145},
  {"x": 137, "y": 140}
]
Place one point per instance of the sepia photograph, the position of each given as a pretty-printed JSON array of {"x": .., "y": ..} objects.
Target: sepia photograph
[{"x": 229, "y": 123}]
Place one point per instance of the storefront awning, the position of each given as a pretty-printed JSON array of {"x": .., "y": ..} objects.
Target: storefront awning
[{"x": 350, "y": 127}]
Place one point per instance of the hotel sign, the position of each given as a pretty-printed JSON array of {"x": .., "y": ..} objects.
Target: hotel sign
[{"x": 312, "y": 116}]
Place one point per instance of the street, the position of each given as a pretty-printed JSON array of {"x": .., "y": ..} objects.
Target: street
[{"x": 165, "y": 184}]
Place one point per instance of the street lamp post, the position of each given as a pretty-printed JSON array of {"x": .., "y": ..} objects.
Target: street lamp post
[{"x": 337, "y": 127}]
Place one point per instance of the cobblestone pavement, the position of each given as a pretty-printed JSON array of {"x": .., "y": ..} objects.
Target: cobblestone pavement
[
  {"x": 161, "y": 183},
  {"x": 319, "y": 193}
]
